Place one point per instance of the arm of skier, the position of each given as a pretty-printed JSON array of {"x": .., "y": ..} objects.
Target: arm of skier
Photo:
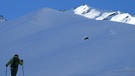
[
  {"x": 21, "y": 62},
  {"x": 9, "y": 62}
]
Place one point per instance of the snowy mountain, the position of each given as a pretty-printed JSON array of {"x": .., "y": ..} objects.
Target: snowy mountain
[
  {"x": 93, "y": 13},
  {"x": 2, "y": 19},
  {"x": 51, "y": 44}
]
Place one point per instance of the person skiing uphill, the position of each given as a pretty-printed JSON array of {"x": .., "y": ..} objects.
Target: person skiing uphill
[{"x": 14, "y": 62}]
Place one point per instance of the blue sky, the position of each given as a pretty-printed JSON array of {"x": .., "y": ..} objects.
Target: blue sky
[{"x": 12, "y": 9}]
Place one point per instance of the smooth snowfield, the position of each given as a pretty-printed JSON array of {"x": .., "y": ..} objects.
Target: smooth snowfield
[{"x": 51, "y": 44}]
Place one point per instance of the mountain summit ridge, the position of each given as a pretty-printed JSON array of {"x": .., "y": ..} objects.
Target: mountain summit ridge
[{"x": 97, "y": 14}]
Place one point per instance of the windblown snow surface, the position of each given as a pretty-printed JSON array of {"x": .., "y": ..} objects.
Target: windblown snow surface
[{"x": 51, "y": 44}]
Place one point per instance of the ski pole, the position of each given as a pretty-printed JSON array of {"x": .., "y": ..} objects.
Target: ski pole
[
  {"x": 6, "y": 71},
  {"x": 23, "y": 70}
]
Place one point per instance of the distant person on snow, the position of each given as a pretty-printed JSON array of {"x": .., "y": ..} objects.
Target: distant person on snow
[{"x": 14, "y": 62}]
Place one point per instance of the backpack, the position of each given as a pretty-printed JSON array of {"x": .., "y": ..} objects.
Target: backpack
[{"x": 15, "y": 62}]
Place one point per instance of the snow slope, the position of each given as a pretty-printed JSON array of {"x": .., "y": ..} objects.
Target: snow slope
[
  {"x": 51, "y": 44},
  {"x": 93, "y": 13}
]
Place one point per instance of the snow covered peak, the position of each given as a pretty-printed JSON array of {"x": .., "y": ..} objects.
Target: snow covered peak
[
  {"x": 124, "y": 18},
  {"x": 2, "y": 19},
  {"x": 86, "y": 11},
  {"x": 93, "y": 13},
  {"x": 82, "y": 9}
]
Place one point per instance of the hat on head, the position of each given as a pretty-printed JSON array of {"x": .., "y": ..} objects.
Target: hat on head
[{"x": 16, "y": 55}]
